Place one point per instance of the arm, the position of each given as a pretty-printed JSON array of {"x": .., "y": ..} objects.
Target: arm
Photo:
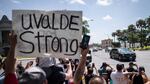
[
  {"x": 11, "y": 60},
  {"x": 145, "y": 78},
  {"x": 110, "y": 67},
  {"x": 136, "y": 66},
  {"x": 81, "y": 67},
  {"x": 69, "y": 72},
  {"x": 10, "y": 76},
  {"x": 95, "y": 69}
]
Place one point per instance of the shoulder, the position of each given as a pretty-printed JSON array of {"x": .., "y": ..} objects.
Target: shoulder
[{"x": 114, "y": 73}]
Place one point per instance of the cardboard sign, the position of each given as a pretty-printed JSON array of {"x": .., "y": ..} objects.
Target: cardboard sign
[{"x": 55, "y": 32}]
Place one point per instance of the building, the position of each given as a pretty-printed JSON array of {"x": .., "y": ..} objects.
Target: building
[
  {"x": 5, "y": 29},
  {"x": 106, "y": 43}
]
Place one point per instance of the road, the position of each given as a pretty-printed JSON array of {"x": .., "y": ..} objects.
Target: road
[{"x": 143, "y": 59}]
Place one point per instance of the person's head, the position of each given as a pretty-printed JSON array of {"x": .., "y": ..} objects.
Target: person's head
[
  {"x": 97, "y": 80},
  {"x": 33, "y": 75},
  {"x": 119, "y": 67},
  {"x": 104, "y": 65},
  {"x": 131, "y": 64},
  {"x": 141, "y": 69},
  {"x": 90, "y": 70}
]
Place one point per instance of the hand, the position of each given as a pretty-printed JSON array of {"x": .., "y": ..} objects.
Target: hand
[
  {"x": 68, "y": 65},
  {"x": 84, "y": 52},
  {"x": 93, "y": 65},
  {"x": 13, "y": 39}
]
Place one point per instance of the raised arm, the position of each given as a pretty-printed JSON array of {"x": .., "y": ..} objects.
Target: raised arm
[
  {"x": 11, "y": 60},
  {"x": 81, "y": 67},
  {"x": 110, "y": 67},
  {"x": 145, "y": 77},
  {"x": 69, "y": 71},
  {"x": 10, "y": 77},
  {"x": 93, "y": 65}
]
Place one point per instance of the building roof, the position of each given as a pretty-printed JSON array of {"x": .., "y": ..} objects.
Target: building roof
[{"x": 5, "y": 22}]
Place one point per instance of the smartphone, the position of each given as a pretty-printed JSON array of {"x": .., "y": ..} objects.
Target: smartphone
[{"x": 85, "y": 41}]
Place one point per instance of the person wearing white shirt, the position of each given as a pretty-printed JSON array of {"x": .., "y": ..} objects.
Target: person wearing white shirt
[{"x": 119, "y": 77}]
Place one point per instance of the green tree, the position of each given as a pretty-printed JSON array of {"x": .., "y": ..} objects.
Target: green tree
[
  {"x": 118, "y": 34},
  {"x": 122, "y": 36},
  {"x": 85, "y": 27},
  {"x": 131, "y": 31},
  {"x": 114, "y": 35},
  {"x": 147, "y": 20},
  {"x": 140, "y": 24}
]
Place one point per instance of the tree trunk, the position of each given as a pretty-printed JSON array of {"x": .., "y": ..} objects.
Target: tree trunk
[
  {"x": 129, "y": 45},
  {"x": 141, "y": 39},
  {"x": 125, "y": 45},
  {"x": 132, "y": 40}
]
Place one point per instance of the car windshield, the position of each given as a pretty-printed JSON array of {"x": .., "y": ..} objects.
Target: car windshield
[{"x": 125, "y": 50}]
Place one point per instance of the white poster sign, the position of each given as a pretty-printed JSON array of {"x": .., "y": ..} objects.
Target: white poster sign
[{"x": 55, "y": 32}]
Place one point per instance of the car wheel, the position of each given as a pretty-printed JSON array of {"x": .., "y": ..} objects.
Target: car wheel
[
  {"x": 111, "y": 57},
  {"x": 133, "y": 59},
  {"x": 119, "y": 58}
]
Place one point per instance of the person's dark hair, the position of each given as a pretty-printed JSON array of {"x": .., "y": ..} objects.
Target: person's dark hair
[
  {"x": 104, "y": 64},
  {"x": 90, "y": 70},
  {"x": 119, "y": 67},
  {"x": 56, "y": 75},
  {"x": 141, "y": 69},
  {"x": 131, "y": 63},
  {"x": 89, "y": 52}
]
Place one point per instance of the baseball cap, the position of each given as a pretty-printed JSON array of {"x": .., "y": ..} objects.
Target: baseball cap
[{"x": 33, "y": 75}]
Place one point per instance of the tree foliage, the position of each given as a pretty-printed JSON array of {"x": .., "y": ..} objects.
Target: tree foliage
[
  {"x": 135, "y": 33},
  {"x": 85, "y": 27}
]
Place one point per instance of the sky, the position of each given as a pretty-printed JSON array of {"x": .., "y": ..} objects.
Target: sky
[{"x": 103, "y": 16}]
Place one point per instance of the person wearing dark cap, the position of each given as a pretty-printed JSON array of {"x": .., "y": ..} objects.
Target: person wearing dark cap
[
  {"x": 131, "y": 67},
  {"x": 119, "y": 77}
]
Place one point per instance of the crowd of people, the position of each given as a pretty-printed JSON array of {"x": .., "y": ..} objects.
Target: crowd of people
[{"x": 67, "y": 71}]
